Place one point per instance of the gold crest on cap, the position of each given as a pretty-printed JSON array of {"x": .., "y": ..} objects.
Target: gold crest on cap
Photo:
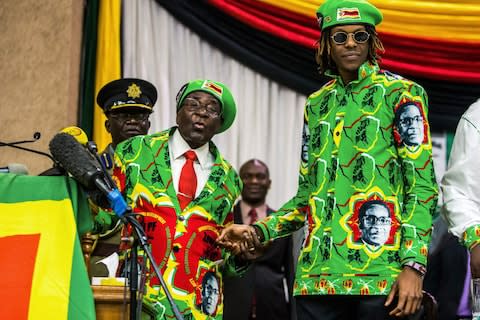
[{"x": 134, "y": 91}]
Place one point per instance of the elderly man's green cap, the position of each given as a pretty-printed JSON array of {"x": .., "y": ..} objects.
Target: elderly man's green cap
[
  {"x": 338, "y": 12},
  {"x": 216, "y": 89}
]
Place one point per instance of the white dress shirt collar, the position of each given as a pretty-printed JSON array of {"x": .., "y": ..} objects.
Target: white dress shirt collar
[{"x": 178, "y": 146}]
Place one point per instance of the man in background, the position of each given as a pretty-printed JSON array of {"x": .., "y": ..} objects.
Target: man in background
[
  {"x": 264, "y": 292},
  {"x": 127, "y": 103}
]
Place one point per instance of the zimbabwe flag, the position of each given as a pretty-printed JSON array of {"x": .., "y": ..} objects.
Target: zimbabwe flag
[{"x": 42, "y": 271}]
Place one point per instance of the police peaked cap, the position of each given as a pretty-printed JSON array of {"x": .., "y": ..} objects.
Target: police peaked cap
[{"x": 127, "y": 93}]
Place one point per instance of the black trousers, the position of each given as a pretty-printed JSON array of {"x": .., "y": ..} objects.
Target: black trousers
[{"x": 342, "y": 307}]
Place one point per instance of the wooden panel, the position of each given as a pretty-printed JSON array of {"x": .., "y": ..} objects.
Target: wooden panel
[{"x": 111, "y": 302}]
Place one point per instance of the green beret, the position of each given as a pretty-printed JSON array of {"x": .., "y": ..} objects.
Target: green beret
[
  {"x": 339, "y": 12},
  {"x": 128, "y": 93},
  {"x": 216, "y": 89}
]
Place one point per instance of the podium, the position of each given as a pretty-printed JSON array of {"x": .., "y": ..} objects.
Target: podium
[{"x": 113, "y": 302}]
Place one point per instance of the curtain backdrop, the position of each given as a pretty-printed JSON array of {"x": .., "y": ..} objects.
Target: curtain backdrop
[
  {"x": 435, "y": 43},
  {"x": 108, "y": 61},
  {"x": 269, "y": 119}
]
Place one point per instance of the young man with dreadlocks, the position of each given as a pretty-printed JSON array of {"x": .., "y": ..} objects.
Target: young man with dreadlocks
[{"x": 354, "y": 156}]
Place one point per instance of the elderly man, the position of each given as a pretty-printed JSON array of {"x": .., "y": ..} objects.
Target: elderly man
[
  {"x": 354, "y": 155},
  {"x": 183, "y": 191}
]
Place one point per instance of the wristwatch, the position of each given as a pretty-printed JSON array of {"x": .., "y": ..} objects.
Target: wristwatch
[{"x": 420, "y": 268}]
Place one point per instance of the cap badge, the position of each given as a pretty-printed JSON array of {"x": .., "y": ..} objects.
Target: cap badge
[
  {"x": 212, "y": 86},
  {"x": 134, "y": 91},
  {"x": 348, "y": 14}
]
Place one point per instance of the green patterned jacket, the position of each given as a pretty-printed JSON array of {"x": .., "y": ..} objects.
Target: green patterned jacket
[
  {"x": 357, "y": 151},
  {"x": 183, "y": 243}
]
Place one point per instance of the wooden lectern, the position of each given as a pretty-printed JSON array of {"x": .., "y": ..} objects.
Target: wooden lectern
[{"x": 113, "y": 302}]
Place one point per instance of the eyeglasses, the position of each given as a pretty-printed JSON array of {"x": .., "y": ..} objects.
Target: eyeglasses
[
  {"x": 374, "y": 220},
  {"x": 408, "y": 121},
  {"x": 193, "y": 105},
  {"x": 341, "y": 37},
  {"x": 124, "y": 116},
  {"x": 210, "y": 290}
]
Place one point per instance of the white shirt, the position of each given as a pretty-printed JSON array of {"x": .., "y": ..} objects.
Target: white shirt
[
  {"x": 461, "y": 182},
  {"x": 202, "y": 166}
]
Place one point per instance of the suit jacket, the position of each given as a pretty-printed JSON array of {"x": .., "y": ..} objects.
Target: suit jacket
[
  {"x": 264, "y": 279},
  {"x": 182, "y": 242}
]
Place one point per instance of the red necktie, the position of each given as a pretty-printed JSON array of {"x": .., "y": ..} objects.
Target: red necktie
[
  {"x": 187, "y": 186},
  {"x": 253, "y": 215}
]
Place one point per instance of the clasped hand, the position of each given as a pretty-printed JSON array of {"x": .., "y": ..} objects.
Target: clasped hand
[{"x": 241, "y": 240}]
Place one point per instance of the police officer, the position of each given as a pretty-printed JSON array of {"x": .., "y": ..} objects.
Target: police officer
[{"x": 127, "y": 103}]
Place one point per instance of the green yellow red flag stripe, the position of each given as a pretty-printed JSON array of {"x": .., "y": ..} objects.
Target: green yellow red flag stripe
[{"x": 42, "y": 270}]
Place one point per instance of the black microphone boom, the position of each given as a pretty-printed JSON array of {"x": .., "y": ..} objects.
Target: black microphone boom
[{"x": 75, "y": 159}]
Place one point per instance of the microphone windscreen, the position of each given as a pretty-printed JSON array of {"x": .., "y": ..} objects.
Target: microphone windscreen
[
  {"x": 77, "y": 133},
  {"x": 74, "y": 158}
]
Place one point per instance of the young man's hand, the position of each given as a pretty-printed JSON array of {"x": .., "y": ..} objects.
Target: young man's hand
[{"x": 408, "y": 289}]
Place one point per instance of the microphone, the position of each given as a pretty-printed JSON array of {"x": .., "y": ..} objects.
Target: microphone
[
  {"x": 82, "y": 138},
  {"x": 91, "y": 146},
  {"x": 16, "y": 168},
  {"x": 76, "y": 160},
  {"x": 77, "y": 133}
]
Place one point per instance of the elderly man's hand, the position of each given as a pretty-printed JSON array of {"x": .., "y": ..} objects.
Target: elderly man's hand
[{"x": 241, "y": 240}]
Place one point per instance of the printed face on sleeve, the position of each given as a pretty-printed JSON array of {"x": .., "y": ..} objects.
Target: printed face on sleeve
[
  {"x": 409, "y": 123},
  {"x": 305, "y": 138}
]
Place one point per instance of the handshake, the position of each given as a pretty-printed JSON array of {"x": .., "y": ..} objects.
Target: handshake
[{"x": 243, "y": 241}]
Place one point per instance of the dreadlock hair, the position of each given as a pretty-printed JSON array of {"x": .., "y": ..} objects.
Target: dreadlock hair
[{"x": 323, "y": 53}]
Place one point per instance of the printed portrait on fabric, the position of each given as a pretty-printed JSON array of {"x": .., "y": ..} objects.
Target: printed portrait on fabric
[
  {"x": 410, "y": 125},
  {"x": 305, "y": 138},
  {"x": 210, "y": 293},
  {"x": 375, "y": 222},
  {"x": 372, "y": 224}
]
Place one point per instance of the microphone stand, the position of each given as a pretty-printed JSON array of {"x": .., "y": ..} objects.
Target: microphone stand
[
  {"x": 133, "y": 283},
  {"x": 142, "y": 238},
  {"x": 126, "y": 215}
]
